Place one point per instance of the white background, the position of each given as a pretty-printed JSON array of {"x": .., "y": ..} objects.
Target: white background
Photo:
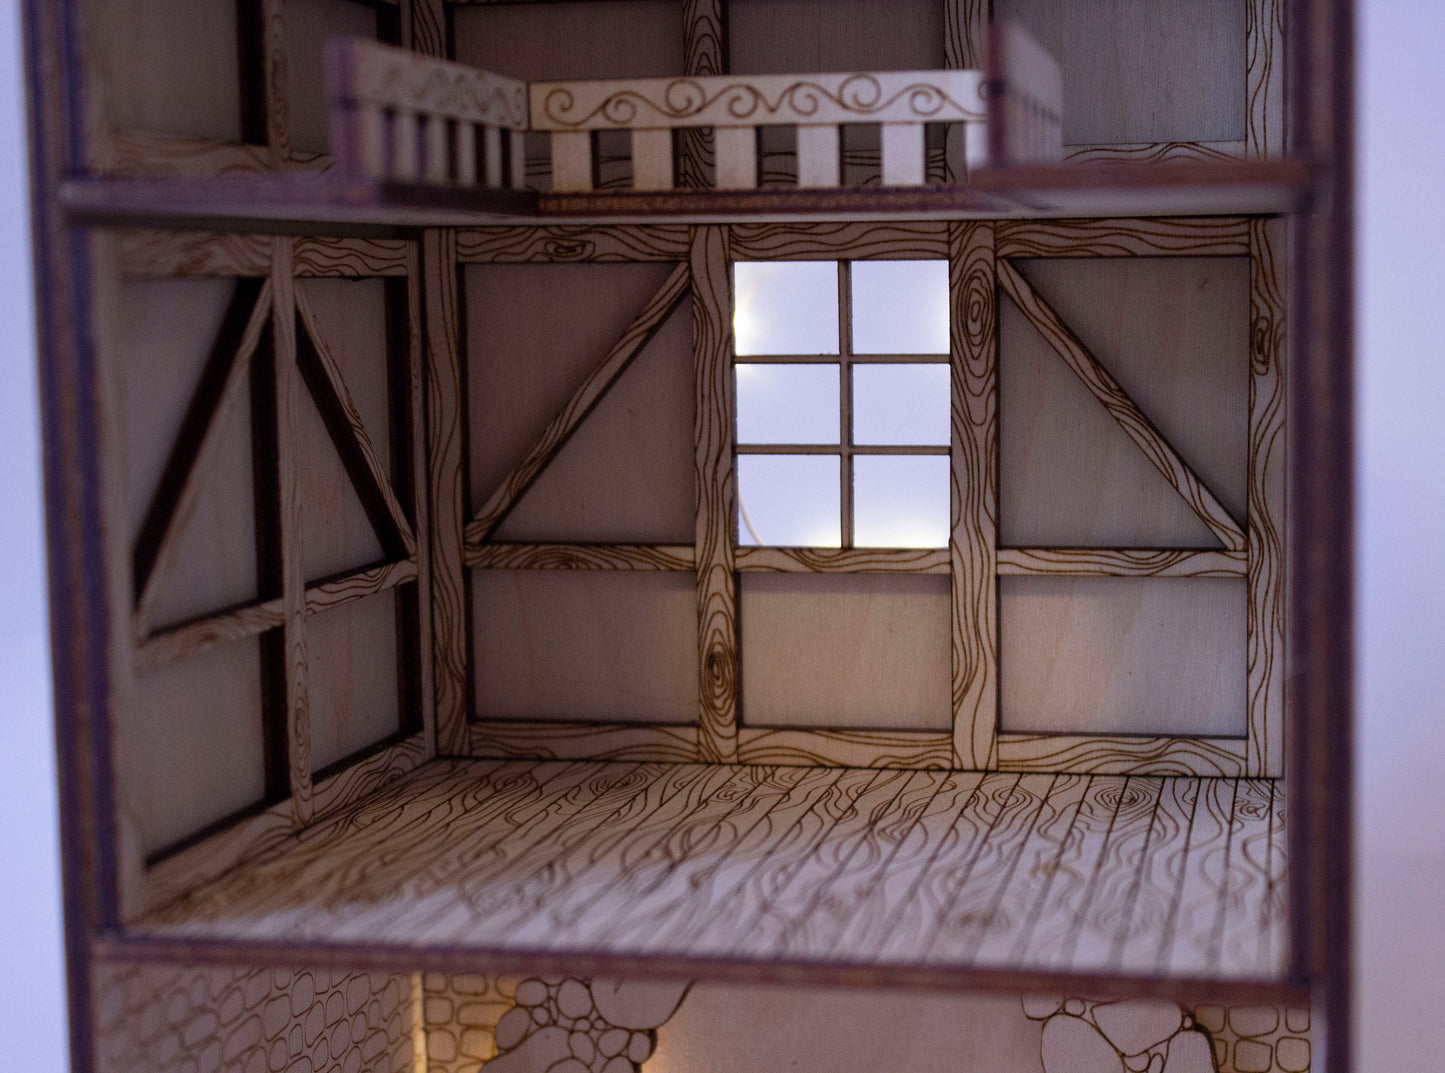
[{"x": 1401, "y": 830}]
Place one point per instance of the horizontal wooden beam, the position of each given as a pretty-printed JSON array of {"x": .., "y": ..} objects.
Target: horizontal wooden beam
[
  {"x": 912, "y": 749},
  {"x": 842, "y": 560},
  {"x": 1101, "y": 754},
  {"x": 1119, "y": 562},
  {"x": 583, "y": 741},
  {"x": 579, "y": 556},
  {"x": 572, "y": 244},
  {"x": 1165, "y": 236},
  {"x": 191, "y": 638}
]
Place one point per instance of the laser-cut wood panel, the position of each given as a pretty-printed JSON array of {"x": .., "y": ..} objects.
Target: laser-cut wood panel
[
  {"x": 160, "y": 1018},
  {"x": 845, "y": 652}
]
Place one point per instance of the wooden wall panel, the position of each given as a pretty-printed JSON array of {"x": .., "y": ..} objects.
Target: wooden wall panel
[
  {"x": 164, "y": 1018},
  {"x": 845, "y": 651},
  {"x": 1174, "y": 333},
  {"x": 1139, "y": 72},
  {"x": 308, "y": 24},
  {"x": 595, "y": 39},
  {"x": 198, "y": 750},
  {"x": 214, "y": 562},
  {"x": 168, "y": 44},
  {"x": 626, "y": 475},
  {"x": 161, "y": 337},
  {"x": 353, "y": 678},
  {"x": 1122, "y": 655},
  {"x": 834, "y": 35},
  {"x": 585, "y": 645},
  {"x": 1068, "y": 475},
  {"x": 350, "y": 315},
  {"x": 336, "y": 534},
  {"x": 534, "y": 333}
]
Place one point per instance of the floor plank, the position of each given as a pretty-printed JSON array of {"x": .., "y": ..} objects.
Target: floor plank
[{"x": 1175, "y": 876}]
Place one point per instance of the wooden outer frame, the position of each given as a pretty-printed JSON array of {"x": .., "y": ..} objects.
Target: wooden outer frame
[{"x": 1320, "y": 467}]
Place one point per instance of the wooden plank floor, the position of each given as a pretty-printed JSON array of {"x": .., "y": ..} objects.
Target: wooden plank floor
[{"x": 1148, "y": 876}]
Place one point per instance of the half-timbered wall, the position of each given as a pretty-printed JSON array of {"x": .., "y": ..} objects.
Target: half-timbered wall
[{"x": 1108, "y": 599}]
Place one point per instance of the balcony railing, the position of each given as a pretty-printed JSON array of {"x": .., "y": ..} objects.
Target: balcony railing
[{"x": 403, "y": 117}]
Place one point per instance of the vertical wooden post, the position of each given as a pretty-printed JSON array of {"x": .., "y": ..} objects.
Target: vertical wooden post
[
  {"x": 130, "y": 873},
  {"x": 417, "y": 455},
  {"x": 1265, "y": 547},
  {"x": 1264, "y": 78},
  {"x": 965, "y": 47},
  {"x": 289, "y": 390},
  {"x": 704, "y": 53},
  {"x": 428, "y": 29},
  {"x": 273, "y": 49},
  {"x": 972, "y": 543},
  {"x": 712, "y": 336},
  {"x": 446, "y": 466}
]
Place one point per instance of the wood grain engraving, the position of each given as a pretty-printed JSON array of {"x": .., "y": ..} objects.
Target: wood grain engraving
[
  {"x": 1267, "y": 387},
  {"x": 572, "y": 244},
  {"x": 1118, "y": 754},
  {"x": 194, "y": 637},
  {"x": 1121, "y": 407},
  {"x": 1153, "y": 152},
  {"x": 846, "y": 748},
  {"x": 565, "y": 740},
  {"x": 583, "y": 400},
  {"x": 581, "y": 556},
  {"x": 842, "y": 560},
  {"x": 850, "y": 867},
  {"x": 1264, "y": 78},
  {"x": 716, "y": 495},
  {"x": 974, "y": 908},
  {"x": 1191, "y": 236},
  {"x": 704, "y": 27},
  {"x": 412, "y": 384},
  {"x": 175, "y": 497},
  {"x": 145, "y": 254},
  {"x": 1119, "y": 562},
  {"x": 428, "y": 27},
  {"x": 446, "y": 453},
  {"x": 1003, "y": 928},
  {"x": 973, "y": 481},
  {"x": 350, "y": 258}
]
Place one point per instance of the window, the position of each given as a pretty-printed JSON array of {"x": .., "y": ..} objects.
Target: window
[{"x": 842, "y": 380}]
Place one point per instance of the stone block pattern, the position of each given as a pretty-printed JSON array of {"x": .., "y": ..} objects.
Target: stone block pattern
[
  {"x": 201, "y": 1019},
  {"x": 1258, "y": 1039},
  {"x": 460, "y": 1013}
]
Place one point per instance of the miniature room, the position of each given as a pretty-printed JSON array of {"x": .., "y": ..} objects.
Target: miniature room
[{"x": 599, "y": 495}]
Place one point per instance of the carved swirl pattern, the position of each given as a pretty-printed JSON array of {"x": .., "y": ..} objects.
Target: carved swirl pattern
[{"x": 684, "y": 100}]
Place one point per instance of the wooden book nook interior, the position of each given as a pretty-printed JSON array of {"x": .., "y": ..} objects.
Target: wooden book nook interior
[{"x": 570, "y": 488}]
